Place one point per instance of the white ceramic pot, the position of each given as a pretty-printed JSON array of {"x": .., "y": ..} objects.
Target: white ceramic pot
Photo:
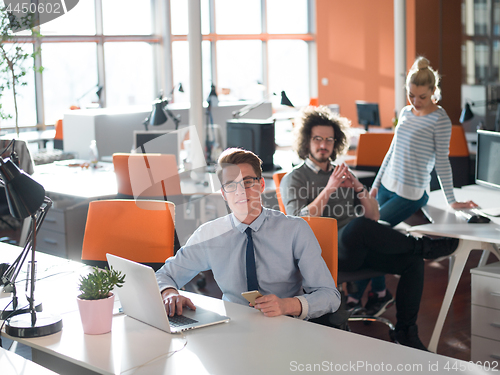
[{"x": 96, "y": 315}]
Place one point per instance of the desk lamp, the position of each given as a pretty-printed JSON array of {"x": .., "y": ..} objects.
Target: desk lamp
[
  {"x": 243, "y": 111},
  {"x": 26, "y": 198},
  {"x": 95, "y": 89},
  {"x": 160, "y": 113}
]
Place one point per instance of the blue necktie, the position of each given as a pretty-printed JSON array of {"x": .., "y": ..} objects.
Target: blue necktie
[{"x": 252, "y": 283}]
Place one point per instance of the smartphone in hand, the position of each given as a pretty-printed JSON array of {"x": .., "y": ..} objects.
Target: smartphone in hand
[{"x": 251, "y": 296}]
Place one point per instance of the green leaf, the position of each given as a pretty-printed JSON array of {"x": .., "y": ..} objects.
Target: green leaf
[{"x": 99, "y": 283}]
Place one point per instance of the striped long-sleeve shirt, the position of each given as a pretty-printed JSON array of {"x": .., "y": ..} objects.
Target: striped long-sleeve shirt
[{"x": 419, "y": 144}]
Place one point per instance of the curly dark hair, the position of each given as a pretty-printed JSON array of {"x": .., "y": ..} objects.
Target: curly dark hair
[{"x": 313, "y": 116}]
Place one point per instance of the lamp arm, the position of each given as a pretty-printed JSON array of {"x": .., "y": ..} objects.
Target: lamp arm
[
  {"x": 10, "y": 276},
  {"x": 171, "y": 115},
  {"x": 243, "y": 111}
]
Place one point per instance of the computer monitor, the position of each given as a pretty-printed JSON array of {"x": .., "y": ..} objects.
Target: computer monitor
[
  {"x": 368, "y": 113},
  {"x": 487, "y": 158},
  {"x": 253, "y": 135},
  {"x": 156, "y": 142}
]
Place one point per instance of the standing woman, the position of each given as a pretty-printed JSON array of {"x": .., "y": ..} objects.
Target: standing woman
[{"x": 421, "y": 141}]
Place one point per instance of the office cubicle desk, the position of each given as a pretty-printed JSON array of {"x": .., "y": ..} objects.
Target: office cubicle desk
[
  {"x": 41, "y": 137},
  {"x": 472, "y": 237},
  {"x": 113, "y": 128},
  {"x": 71, "y": 188},
  {"x": 250, "y": 343}
]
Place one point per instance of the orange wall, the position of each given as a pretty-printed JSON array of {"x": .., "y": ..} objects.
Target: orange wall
[{"x": 355, "y": 43}]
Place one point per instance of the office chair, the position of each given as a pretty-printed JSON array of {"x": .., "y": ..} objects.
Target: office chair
[
  {"x": 277, "y": 177},
  {"x": 152, "y": 176},
  {"x": 325, "y": 230},
  {"x": 148, "y": 176},
  {"x": 58, "y": 138},
  {"x": 370, "y": 153},
  {"x": 459, "y": 160},
  {"x": 140, "y": 231}
]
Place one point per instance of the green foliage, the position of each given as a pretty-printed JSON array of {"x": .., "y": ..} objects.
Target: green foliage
[
  {"x": 14, "y": 61},
  {"x": 99, "y": 283}
]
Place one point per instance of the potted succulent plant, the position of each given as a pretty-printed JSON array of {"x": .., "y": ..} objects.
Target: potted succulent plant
[{"x": 96, "y": 300}]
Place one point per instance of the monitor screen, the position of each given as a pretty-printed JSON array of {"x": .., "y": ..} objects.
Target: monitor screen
[
  {"x": 368, "y": 113},
  {"x": 156, "y": 142},
  {"x": 253, "y": 135},
  {"x": 488, "y": 158}
]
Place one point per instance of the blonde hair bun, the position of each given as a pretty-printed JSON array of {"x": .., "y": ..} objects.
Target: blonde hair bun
[{"x": 422, "y": 63}]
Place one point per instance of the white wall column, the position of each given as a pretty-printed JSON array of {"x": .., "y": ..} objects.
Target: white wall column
[
  {"x": 195, "y": 73},
  {"x": 399, "y": 55}
]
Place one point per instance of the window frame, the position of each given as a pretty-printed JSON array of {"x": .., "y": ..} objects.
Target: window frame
[{"x": 162, "y": 40}]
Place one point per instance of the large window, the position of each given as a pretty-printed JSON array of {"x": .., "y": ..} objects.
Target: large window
[
  {"x": 480, "y": 50},
  {"x": 115, "y": 53}
]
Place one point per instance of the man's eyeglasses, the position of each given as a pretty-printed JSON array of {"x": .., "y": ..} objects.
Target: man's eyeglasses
[
  {"x": 318, "y": 139},
  {"x": 246, "y": 183}
]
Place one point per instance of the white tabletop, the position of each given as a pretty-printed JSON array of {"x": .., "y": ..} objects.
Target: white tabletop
[
  {"x": 250, "y": 343},
  {"x": 13, "y": 364},
  {"x": 74, "y": 181},
  {"x": 447, "y": 222}
]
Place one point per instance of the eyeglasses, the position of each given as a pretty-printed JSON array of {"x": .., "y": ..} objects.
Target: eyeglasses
[
  {"x": 318, "y": 139},
  {"x": 246, "y": 183}
]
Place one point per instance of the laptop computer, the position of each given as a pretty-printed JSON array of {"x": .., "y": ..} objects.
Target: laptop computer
[{"x": 141, "y": 299}]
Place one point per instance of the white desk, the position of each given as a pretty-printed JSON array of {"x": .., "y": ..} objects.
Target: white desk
[
  {"x": 472, "y": 237},
  {"x": 250, "y": 343},
  {"x": 77, "y": 182},
  {"x": 13, "y": 364},
  {"x": 41, "y": 137}
]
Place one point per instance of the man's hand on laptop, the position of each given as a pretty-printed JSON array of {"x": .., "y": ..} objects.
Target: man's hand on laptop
[
  {"x": 272, "y": 305},
  {"x": 174, "y": 302}
]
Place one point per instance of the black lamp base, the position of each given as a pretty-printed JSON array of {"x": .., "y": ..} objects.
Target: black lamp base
[
  {"x": 46, "y": 324},
  {"x": 8, "y": 311}
]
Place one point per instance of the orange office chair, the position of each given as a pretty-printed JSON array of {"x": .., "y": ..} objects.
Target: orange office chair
[
  {"x": 146, "y": 176},
  {"x": 58, "y": 138},
  {"x": 325, "y": 230},
  {"x": 141, "y": 232},
  {"x": 370, "y": 153},
  {"x": 459, "y": 160},
  {"x": 371, "y": 150},
  {"x": 459, "y": 157},
  {"x": 277, "y": 181}
]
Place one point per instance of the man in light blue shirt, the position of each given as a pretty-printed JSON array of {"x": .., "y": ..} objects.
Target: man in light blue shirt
[{"x": 292, "y": 276}]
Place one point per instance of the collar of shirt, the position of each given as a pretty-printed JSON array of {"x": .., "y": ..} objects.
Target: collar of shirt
[
  {"x": 314, "y": 167},
  {"x": 255, "y": 225}
]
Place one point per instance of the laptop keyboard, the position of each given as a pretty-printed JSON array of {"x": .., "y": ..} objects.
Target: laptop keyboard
[{"x": 180, "y": 320}]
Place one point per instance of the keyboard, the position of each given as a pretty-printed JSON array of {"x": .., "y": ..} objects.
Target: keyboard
[
  {"x": 180, "y": 320},
  {"x": 494, "y": 211}
]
